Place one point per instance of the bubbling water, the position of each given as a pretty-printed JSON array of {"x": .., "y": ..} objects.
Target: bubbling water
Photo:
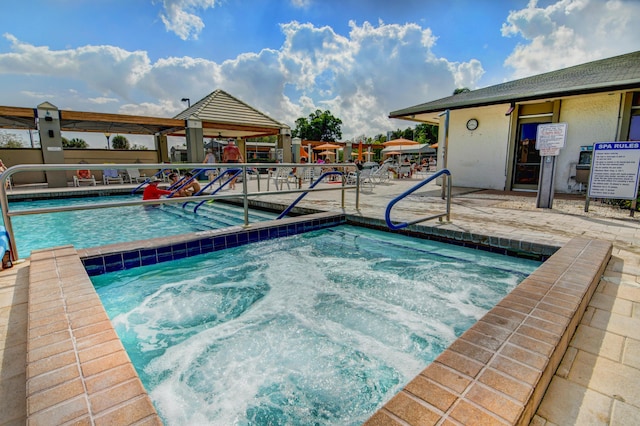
[{"x": 320, "y": 328}]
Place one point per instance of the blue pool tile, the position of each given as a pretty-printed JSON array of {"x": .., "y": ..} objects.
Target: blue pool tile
[
  {"x": 148, "y": 257},
  {"x": 113, "y": 262},
  {"x": 207, "y": 245},
  {"x": 179, "y": 251},
  {"x": 219, "y": 243},
  {"x": 164, "y": 254},
  {"x": 254, "y": 236},
  {"x": 94, "y": 265},
  {"x": 131, "y": 259},
  {"x": 264, "y": 234},
  {"x": 243, "y": 238},
  {"x": 231, "y": 240},
  {"x": 193, "y": 248}
]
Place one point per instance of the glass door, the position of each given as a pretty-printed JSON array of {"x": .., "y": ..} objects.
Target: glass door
[{"x": 526, "y": 170}]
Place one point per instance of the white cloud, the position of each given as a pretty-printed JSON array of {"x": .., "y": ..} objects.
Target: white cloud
[
  {"x": 180, "y": 16},
  {"x": 103, "y": 100},
  {"x": 570, "y": 32},
  {"x": 360, "y": 76}
]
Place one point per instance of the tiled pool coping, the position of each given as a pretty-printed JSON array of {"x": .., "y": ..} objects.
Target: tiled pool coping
[{"x": 496, "y": 373}]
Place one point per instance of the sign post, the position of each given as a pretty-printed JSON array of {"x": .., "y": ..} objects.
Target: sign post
[
  {"x": 550, "y": 138},
  {"x": 614, "y": 171}
]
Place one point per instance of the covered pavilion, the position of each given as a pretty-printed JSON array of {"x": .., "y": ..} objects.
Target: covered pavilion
[{"x": 216, "y": 115}]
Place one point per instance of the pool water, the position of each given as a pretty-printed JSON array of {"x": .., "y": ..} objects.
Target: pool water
[
  {"x": 97, "y": 227},
  {"x": 318, "y": 328}
]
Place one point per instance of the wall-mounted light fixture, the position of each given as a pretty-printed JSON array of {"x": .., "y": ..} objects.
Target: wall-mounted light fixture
[
  {"x": 48, "y": 117},
  {"x": 187, "y": 100},
  {"x": 510, "y": 110}
]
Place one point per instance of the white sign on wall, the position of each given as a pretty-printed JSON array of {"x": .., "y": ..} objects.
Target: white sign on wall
[
  {"x": 550, "y": 138},
  {"x": 614, "y": 170}
]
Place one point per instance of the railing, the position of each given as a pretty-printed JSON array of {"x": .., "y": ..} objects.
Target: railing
[
  {"x": 387, "y": 214},
  {"x": 200, "y": 199}
]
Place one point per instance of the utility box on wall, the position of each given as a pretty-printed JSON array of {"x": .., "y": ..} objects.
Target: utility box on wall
[{"x": 584, "y": 164}]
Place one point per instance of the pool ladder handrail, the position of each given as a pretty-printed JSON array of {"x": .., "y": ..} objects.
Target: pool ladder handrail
[
  {"x": 387, "y": 214},
  {"x": 233, "y": 174},
  {"x": 304, "y": 194},
  {"x": 8, "y": 214}
]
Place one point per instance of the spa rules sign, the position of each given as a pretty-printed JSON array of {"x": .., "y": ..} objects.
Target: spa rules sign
[{"x": 614, "y": 170}]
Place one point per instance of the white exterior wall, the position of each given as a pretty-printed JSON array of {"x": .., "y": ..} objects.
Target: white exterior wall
[
  {"x": 589, "y": 119},
  {"x": 477, "y": 159}
]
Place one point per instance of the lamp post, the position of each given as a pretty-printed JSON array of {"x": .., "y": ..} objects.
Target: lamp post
[
  {"x": 107, "y": 135},
  {"x": 187, "y": 100}
]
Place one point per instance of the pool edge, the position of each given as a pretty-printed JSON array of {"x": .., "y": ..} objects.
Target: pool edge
[{"x": 407, "y": 405}]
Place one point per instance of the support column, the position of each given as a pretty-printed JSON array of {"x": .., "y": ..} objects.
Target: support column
[
  {"x": 51, "y": 143},
  {"x": 195, "y": 143},
  {"x": 241, "y": 143},
  {"x": 544, "y": 199},
  {"x": 346, "y": 152},
  {"x": 162, "y": 147},
  {"x": 284, "y": 143}
]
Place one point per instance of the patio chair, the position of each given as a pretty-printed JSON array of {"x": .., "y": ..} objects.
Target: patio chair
[
  {"x": 366, "y": 178},
  {"x": 111, "y": 176},
  {"x": 280, "y": 176},
  {"x": 133, "y": 176}
]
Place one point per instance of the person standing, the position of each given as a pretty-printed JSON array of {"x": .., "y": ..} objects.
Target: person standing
[
  {"x": 231, "y": 154},
  {"x": 210, "y": 159}
]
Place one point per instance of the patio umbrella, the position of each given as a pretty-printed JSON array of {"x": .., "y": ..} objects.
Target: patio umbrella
[
  {"x": 435, "y": 145},
  {"x": 400, "y": 141},
  {"x": 393, "y": 153},
  {"x": 327, "y": 146},
  {"x": 327, "y": 153},
  {"x": 303, "y": 153}
]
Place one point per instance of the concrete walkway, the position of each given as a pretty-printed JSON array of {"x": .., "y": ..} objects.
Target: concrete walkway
[{"x": 598, "y": 381}]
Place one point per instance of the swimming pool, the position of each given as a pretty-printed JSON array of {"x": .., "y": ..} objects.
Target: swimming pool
[
  {"x": 322, "y": 327},
  {"x": 96, "y": 227}
]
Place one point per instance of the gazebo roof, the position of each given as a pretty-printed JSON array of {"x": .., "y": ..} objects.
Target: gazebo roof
[{"x": 222, "y": 115}]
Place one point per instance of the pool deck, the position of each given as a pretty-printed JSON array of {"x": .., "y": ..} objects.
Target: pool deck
[{"x": 597, "y": 381}]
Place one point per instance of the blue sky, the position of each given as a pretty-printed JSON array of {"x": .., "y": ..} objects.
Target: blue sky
[{"x": 358, "y": 59}]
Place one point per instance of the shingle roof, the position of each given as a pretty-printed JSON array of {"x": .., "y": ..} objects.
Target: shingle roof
[
  {"x": 617, "y": 73},
  {"x": 221, "y": 107}
]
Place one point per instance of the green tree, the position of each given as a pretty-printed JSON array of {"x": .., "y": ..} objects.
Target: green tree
[
  {"x": 74, "y": 143},
  {"x": 461, "y": 90},
  {"x": 10, "y": 140},
  {"x": 319, "y": 126},
  {"x": 120, "y": 142},
  {"x": 426, "y": 133},
  {"x": 139, "y": 147}
]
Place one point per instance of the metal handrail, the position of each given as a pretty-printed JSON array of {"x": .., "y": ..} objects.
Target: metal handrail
[
  {"x": 387, "y": 214},
  {"x": 297, "y": 200},
  {"x": 7, "y": 174}
]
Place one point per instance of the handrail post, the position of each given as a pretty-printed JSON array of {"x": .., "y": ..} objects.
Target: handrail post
[
  {"x": 4, "y": 204},
  {"x": 357, "y": 189},
  {"x": 245, "y": 197}
]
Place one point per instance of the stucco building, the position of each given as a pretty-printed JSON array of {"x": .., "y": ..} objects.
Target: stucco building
[{"x": 487, "y": 136}]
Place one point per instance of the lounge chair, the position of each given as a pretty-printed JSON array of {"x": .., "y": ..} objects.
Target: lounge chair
[
  {"x": 133, "y": 176},
  {"x": 381, "y": 174},
  {"x": 84, "y": 176},
  {"x": 111, "y": 176}
]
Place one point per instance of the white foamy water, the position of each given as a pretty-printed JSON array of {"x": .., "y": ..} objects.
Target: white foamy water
[{"x": 318, "y": 328}]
